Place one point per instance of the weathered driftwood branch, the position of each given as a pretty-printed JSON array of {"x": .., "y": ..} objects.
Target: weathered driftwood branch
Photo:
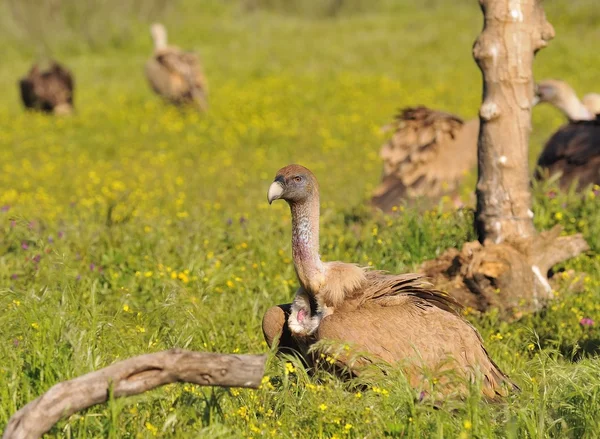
[
  {"x": 513, "y": 31},
  {"x": 131, "y": 377}
]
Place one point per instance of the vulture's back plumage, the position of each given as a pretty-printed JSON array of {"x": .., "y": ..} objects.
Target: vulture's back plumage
[
  {"x": 174, "y": 74},
  {"x": 574, "y": 153},
  {"x": 401, "y": 319},
  {"x": 50, "y": 91},
  {"x": 427, "y": 156}
]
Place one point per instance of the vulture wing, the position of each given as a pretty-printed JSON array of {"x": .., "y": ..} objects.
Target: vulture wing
[
  {"x": 386, "y": 289},
  {"x": 427, "y": 156},
  {"x": 416, "y": 336},
  {"x": 400, "y": 320},
  {"x": 574, "y": 152}
]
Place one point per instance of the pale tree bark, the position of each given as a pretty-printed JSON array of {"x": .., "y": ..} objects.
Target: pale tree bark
[
  {"x": 513, "y": 31},
  {"x": 508, "y": 268},
  {"x": 131, "y": 377}
]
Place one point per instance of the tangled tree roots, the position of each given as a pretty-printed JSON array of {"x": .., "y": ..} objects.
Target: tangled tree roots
[{"x": 511, "y": 277}]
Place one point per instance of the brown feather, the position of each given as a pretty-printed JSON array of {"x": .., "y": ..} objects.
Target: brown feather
[
  {"x": 50, "y": 91},
  {"x": 177, "y": 76},
  {"x": 574, "y": 153},
  {"x": 419, "y": 329},
  {"x": 427, "y": 156},
  {"x": 341, "y": 281}
]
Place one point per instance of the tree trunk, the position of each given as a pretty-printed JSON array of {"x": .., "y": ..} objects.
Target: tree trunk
[
  {"x": 508, "y": 268},
  {"x": 513, "y": 31}
]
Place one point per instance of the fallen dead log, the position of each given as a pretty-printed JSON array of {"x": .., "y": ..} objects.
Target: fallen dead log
[{"x": 131, "y": 377}]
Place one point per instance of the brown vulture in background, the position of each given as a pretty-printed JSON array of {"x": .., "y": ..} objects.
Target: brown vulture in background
[
  {"x": 175, "y": 75},
  {"x": 573, "y": 152},
  {"x": 50, "y": 91},
  {"x": 395, "y": 318},
  {"x": 427, "y": 157}
]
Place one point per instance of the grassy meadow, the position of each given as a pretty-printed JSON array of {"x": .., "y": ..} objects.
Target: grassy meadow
[{"x": 133, "y": 227}]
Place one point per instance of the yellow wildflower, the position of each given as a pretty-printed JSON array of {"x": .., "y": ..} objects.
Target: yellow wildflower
[
  {"x": 289, "y": 368},
  {"x": 151, "y": 428}
]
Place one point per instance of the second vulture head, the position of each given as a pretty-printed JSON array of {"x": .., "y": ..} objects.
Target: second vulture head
[
  {"x": 562, "y": 96},
  {"x": 294, "y": 184}
]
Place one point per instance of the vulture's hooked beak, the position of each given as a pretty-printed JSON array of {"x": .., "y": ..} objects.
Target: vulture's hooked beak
[{"x": 275, "y": 191}]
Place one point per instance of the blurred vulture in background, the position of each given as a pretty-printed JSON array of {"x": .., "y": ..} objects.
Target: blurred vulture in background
[
  {"x": 573, "y": 152},
  {"x": 50, "y": 90},
  {"x": 175, "y": 75},
  {"x": 427, "y": 157},
  {"x": 395, "y": 318}
]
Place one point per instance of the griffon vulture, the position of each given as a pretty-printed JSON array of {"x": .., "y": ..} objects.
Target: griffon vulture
[
  {"x": 175, "y": 75},
  {"x": 573, "y": 151},
  {"x": 427, "y": 157},
  {"x": 50, "y": 91},
  {"x": 396, "y": 318}
]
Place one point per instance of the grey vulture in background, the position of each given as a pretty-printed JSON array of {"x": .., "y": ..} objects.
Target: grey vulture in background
[
  {"x": 573, "y": 152},
  {"x": 427, "y": 157},
  {"x": 174, "y": 74},
  {"x": 395, "y": 318},
  {"x": 50, "y": 91}
]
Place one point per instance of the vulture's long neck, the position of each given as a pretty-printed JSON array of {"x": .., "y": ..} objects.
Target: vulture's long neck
[
  {"x": 574, "y": 108},
  {"x": 305, "y": 243},
  {"x": 160, "y": 39}
]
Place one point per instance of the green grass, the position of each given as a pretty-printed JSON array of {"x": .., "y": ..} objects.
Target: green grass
[{"x": 195, "y": 255}]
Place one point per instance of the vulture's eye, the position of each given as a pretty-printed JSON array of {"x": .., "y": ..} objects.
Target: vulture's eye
[{"x": 297, "y": 179}]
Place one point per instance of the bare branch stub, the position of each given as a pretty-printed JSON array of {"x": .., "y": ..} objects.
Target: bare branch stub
[{"x": 131, "y": 377}]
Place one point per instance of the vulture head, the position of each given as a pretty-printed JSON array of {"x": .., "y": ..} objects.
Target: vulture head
[
  {"x": 159, "y": 35},
  {"x": 294, "y": 184},
  {"x": 562, "y": 96}
]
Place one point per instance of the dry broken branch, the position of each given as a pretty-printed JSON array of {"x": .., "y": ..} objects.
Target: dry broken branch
[{"x": 131, "y": 377}]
